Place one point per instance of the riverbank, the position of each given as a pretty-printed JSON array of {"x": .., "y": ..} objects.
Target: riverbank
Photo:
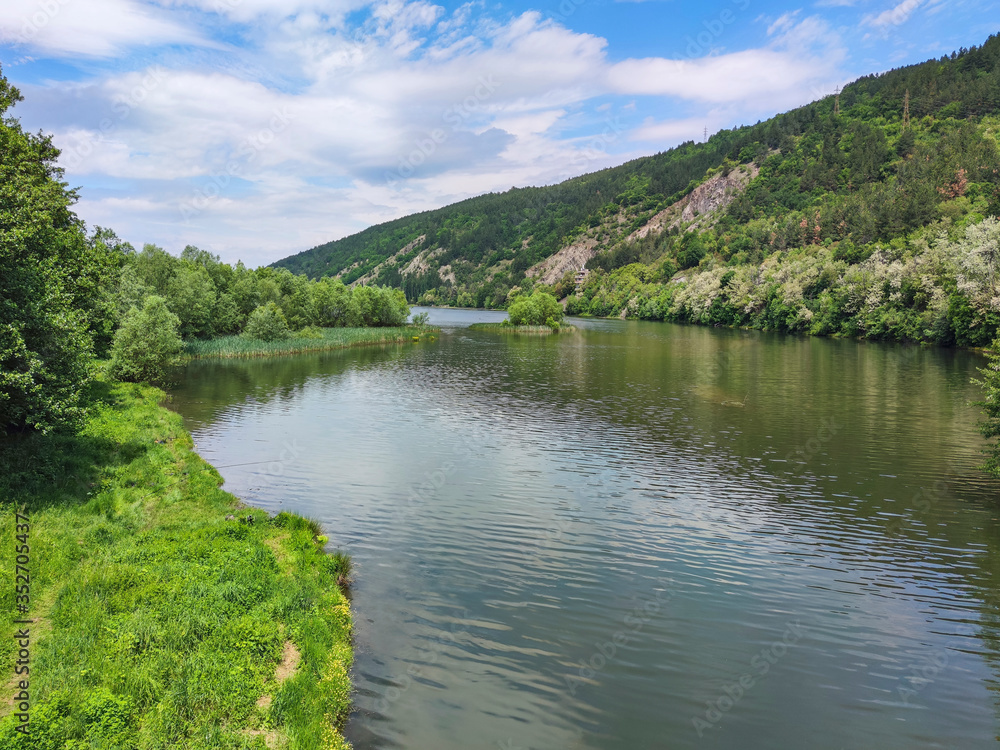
[
  {"x": 316, "y": 340},
  {"x": 163, "y": 612}
]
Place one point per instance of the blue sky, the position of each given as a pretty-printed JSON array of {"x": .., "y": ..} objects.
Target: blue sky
[{"x": 259, "y": 128}]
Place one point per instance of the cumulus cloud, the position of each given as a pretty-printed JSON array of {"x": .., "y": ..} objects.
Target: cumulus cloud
[
  {"x": 785, "y": 72},
  {"x": 96, "y": 28}
]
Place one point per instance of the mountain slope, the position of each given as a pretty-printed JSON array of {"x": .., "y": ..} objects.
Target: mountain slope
[{"x": 897, "y": 158}]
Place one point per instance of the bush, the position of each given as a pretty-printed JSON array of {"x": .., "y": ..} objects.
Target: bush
[
  {"x": 990, "y": 426},
  {"x": 539, "y": 309},
  {"x": 267, "y": 323},
  {"x": 381, "y": 306},
  {"x": 147, "y": 344}
]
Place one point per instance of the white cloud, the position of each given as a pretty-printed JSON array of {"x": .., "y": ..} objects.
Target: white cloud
[
  {"x": 781, "y": 74},
  {"x": 783, "y": 23},
  {"x": 895, "y": 16},
  {"x": 674, "y": 131},
  {"x": 95, "y": 28}
]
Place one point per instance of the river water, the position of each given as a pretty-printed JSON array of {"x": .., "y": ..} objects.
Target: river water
[{"x": 637, "y": 535}]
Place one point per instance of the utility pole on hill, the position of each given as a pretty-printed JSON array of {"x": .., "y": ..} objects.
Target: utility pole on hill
[
  {"x": 836, "y": 103},
  {"x": 906, "y": 110}
]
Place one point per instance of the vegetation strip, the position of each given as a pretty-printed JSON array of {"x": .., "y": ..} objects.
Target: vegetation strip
[
  {"x": 321, "y": 339},
  {"x": 163, "y": 614},
  {"x": 505, "y": 328}
]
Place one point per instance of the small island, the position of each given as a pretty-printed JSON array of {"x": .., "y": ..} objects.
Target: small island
[{"x": 538, "y": 313}]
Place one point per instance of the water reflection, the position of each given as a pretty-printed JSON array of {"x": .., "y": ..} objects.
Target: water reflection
[{"x": 583, "y": 541}]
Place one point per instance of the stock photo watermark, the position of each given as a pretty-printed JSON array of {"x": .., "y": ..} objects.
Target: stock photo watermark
[
  {"x": 401, "y": 684},
  {"x": 37, "y": 21},
  {"x": 606, "y": 651},
  {"x": 122, "y": 106},
  {"x": 595, "y": 148},
  {"x": 701, "y": 44},
  {"x": 455, "y": 115},
  {"x": 760, "y": 666},
  {"x": 249, "y": 149}
]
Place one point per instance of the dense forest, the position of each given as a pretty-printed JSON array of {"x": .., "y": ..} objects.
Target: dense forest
[{"x": 863, "y": 214}]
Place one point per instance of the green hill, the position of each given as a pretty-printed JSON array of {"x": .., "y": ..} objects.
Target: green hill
[{"x": 860, "y": 214}]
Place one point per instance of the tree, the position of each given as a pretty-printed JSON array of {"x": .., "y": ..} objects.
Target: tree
[
  {"x": 191, "y": 297},
  {"x": 381, "y": 306},
  {"x": 990, "y": 426},
  {"x": 147, "y": 344},
  {"x": 267, "y": 323},
  {"x": 48, "y": 271},
  {"x": 335, "y": 304},
  {"x": 541, "y": 308}
]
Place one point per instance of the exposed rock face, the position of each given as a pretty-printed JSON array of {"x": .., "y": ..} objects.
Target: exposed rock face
[
  {"x": 696, "y": 208},
  {"x": 446, "y": 274},
  {"x": 390, "y": 261},
  {"x": 573, "y": 257},
  {"x": 712, "y": 195}
]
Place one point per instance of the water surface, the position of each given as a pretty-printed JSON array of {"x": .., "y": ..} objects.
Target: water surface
[{"x": 637, "y": 535}]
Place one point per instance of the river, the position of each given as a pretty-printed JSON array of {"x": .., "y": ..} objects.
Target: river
[{"x": 637, "y": 535}]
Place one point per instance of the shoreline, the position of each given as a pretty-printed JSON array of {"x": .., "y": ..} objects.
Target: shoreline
[
  {"x": 692, "y": 324},
  {"x": 163, "y": 609}
]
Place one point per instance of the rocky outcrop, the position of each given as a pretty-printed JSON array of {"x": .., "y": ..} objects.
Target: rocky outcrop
[
  {"x": 573, "y": 257},
  {"x": 390, "y": 261},
  {"x": 702, "y": 203}
]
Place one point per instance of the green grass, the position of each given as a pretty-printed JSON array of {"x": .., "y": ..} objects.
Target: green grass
[
  {"x": 320, "y": 339},
  {"x": 160, "y": 623},
  {"x": 505, "y": 328}
]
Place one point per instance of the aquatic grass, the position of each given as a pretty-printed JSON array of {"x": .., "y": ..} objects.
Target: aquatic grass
[
  {"x": 505, "y": 327},
  {"x": 312, "y": 340},
  {"x": 161, "y": 614}
]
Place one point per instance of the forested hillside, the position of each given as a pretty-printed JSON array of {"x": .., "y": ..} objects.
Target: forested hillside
[{"x": 859, "y": 214}]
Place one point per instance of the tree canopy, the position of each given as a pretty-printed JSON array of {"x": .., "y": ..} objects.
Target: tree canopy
[{"x": 55, "y": 308}]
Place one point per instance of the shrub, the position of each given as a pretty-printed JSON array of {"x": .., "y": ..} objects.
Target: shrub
[
  {"x": 267, "y": 323},
  {"x": 147, "y": 344},
  {"x": 539, "y": 309},
  {"x": 990, "y": 426}
]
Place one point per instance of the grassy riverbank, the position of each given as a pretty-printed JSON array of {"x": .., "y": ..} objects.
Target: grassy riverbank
[
  {"x": 319, "y": 339},
  {"x": 158, "y": 622}
]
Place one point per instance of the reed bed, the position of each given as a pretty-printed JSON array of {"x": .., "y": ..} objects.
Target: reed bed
[
  {"x": 328, "y": 338},
  {"x": 505, "y": 328}
]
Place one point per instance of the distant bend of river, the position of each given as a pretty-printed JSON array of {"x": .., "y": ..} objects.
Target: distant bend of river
[{"x": 637, "y": 535}]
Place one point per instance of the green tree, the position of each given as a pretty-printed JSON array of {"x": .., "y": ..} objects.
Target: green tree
[
  {"x": 148, "y": 343},
  {"x": 541, "y": 308},
  {"x": 267, "y": 323},
  {"x": 381, "y": 306},
  {"x": 47, "y": 271},
  {"x": 191, "y": 297},
  {"x": 156, "y": 267},
  {"x": 335, "y": 305},
  {"x": 96, "y": 285},
  {"x": 990, "y": 426}
]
